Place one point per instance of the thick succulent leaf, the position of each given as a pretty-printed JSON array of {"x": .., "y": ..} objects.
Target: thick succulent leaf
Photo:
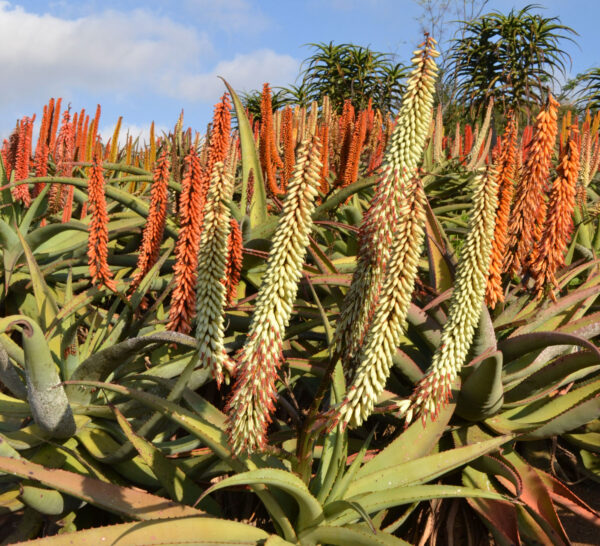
[
  {"x": 125, "y": 501},
  {"x": 499, "y": 515},
  {"x": 172, "y": 531},
  {"x": 46, "y": 501},
  {"x": 45, "y": 394},
  {"x": 311, "y": 511},
  {"x": 349, "y": 535},
  {"x": 337, "y": 512},
  {"x": 561, "y": 371},
  {"x": 98, "y": 366},
  {"x": 420, "y": 470},
  {"x": 172, "y": 478},
  {"x": 586, "y": 440},
  {"x": 562, "y": 495},
  {"x": 536, "y": 497},
  {"x": 482, "y": 393},
  {"x": 413, "y": 444},
  {"x": 250, "y": 162}
]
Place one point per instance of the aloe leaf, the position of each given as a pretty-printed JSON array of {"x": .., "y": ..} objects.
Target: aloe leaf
[
  {"x": 499, "y": 515},
  {"x": 98, "y": 366},
  {"x": 348, "y": 536},
  {"x": 211, "y": 436},
  {"x": 561, "y": 494},
  {"x": 337, "y": 513},
  {"x": 9, "y": 376},
  {"x": 537, "y": 498},
  {"x": 420, "y": 470},
  {"x": 482, "y": 393},
  {"x": 415, "y": 442},
  {"x": 45, "y": 501},
  {"x": 334, "y": 446},
  {"x": 172, "y": 478},
  {"x": 47, "y": 399},
  {"x": 175, "y": 530},
  {"x": 311, "y": 511},
  {"x": 561, "y": 371},
  {"x": 250, "y": 162},
  {"x": 125, "y": 501},
  {"x": 46, "y": 303}
]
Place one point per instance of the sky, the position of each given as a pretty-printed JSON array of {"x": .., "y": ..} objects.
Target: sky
[{"x": 148, "y": 60}]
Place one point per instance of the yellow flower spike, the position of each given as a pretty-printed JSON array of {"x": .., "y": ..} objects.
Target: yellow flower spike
[
  {"x": 432, "y": 391},
  {"x": 253, "y": 398},
  {"x": 210, "y": 288},
  {"x": 401, "y": 162}
]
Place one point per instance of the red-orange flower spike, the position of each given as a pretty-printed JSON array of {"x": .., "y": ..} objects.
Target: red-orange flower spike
[
  {"x": 155, "y": 224},
  {"x": 356, "y": 146},
  {"x": 269, "y": 158},
  {"x": 233, "y": 268},
  {"x": 220, "y": 133},
  {"x": 55, "y": 112},
  {"x": 183, "y": 298},
  {"x": 506, "y": 168},
  {"x": 346, "y": 132},
  {"x": 530, "y": 206},
  {"x": 97, "y": 250},
  {"x": 549, "y": 252},
  {"x": 289, "y": 156},
  {"x": 23, "y": 160}
]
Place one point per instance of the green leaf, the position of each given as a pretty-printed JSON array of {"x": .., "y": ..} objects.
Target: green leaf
[
  {"x": 420, "y": 470},
  {"x": 482, "y": 393},
  {"x": 250, "y": 162},
  {"x": 125, "y": 501},
  {"x": 348, "y": 536},
  {"x": 311, "y": 511}
]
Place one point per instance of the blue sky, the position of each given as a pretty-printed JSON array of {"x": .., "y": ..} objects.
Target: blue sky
[{"x": 147, "y": 60}]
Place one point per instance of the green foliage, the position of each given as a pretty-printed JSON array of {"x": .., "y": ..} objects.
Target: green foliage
[{"x": 512, "y": 58}]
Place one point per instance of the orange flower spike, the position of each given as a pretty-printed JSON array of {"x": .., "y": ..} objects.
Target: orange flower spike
[
  {"x": 183, "y": 298},
  {"x": 506, "y": 168},
  {"x": 267, "y": 141},
  {"x": 54, "y": 125},
  {"x": 550, "y": 251},
  {"x": 233, "y": 269},
  {"x": 220, "y": 133},
  {"x": 289, "y": 156},
  {"x": 98, "y": 229},
  {"x": 23, "y": 160},
  {"x": 155, "y": 225},
  {"x": 346, "y": 132},
  {"x": 530, "y": 206}
]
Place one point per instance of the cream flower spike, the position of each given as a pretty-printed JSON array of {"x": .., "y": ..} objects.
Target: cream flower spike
[
  {"x": 432, "y": 391},
  {"x": 253, "y": 399},
  {"x": 210, "y": 289},
  {"x": 389, "y": 320},
  {"x": 401, "y": 161}
]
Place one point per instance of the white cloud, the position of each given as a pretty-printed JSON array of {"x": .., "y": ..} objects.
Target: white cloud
[
  {"x": 125, "y": 53},
  {"x": 243, "y": 72},
  {"x": 110, "y": 51}
]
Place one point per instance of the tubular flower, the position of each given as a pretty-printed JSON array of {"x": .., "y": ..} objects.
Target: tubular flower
[
  {"x": 23, "y": 159},
  {"x": 190, "y": 209},
  {"x": 549, "y": 253},
  {"x": 155, "y": 224},
  {"x": 42, "y": 150},
  {"x": 289, "y": 156},
  {"x": 529, "y": 209},
  {"x": 269, "y": 158},
  {"x": 249, "y": 409},
  {"x": 506, "y": 167},
  {"x": 97, "y": 250},
  {"x": 432, "y": 391},
  {"x": 234, "y": 260},
  {"x": 210, "y": 288},
  {"x": 389, "y": 319},
  {"x": 401, "y": 161},
  {"x": 219, "y": 133}
]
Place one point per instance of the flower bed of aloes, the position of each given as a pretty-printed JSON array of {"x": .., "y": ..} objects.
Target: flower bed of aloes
[{"x": 326, "y": 326}]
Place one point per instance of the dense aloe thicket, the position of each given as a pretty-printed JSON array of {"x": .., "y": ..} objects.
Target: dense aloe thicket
[{"x": 319, "y": 326}]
